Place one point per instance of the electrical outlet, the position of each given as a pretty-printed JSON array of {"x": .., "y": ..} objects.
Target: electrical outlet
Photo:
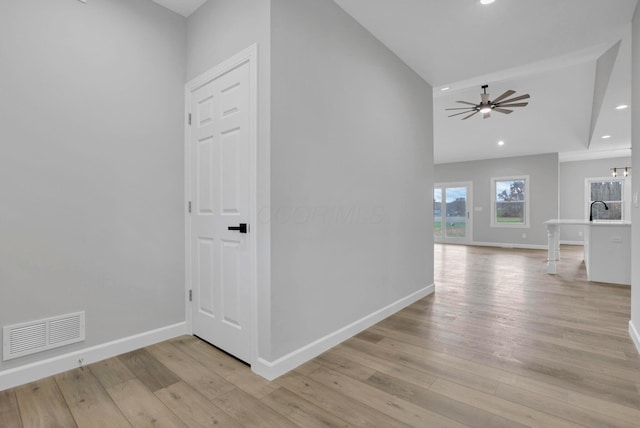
[
  {"x": 580, "y": 234},
  {"x": 524, "y": 236}
]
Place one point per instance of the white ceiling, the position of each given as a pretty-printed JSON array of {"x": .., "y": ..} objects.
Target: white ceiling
[
  {"x": 182, "y": 7},
  {"x": 547, "y": 48}
]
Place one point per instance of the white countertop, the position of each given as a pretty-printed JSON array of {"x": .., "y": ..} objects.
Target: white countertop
[{"x": 579, "y": 222}]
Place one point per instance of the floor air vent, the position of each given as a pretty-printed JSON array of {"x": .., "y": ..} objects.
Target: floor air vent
[{"x": 27, "y": 338}]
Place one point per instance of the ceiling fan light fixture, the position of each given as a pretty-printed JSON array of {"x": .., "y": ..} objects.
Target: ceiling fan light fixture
[{"x": 502, "y": 104}]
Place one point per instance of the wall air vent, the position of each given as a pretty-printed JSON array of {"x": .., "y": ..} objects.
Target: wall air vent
[{"x": 28, "y": 338}]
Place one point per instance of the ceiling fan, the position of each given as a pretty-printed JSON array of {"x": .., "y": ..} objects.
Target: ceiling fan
[{"x": 486, "y": 106}]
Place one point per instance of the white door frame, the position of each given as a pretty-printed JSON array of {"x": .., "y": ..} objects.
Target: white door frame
[
  {"x": 249, "y": 55},
  {"x": 469, "y": 232}
]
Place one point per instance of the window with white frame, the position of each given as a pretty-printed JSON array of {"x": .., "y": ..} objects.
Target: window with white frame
[
  {"x": 610, "y": 191},
  {"x": 510, "y": 201}
]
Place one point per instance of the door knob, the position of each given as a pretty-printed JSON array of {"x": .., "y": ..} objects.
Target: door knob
[{"x": 242, "y": 228}]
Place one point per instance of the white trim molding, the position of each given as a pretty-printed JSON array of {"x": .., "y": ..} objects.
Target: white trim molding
[
  {"x": 509, "y": 245},
  {"x": 273, "y": 369},
  {"x": 633, "y": 332},
  {"x": 579, "y": 243},
  {"x": 40, "y": 369}
]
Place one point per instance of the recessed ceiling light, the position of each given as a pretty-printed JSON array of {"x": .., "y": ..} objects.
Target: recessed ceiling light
[
  {"x": 501, "y": 143},
  {"x": 486, "y": 1},
  {"x": 604, "y": 137},
  {"x": 622, "y": 107},
  {"x": 445, "y": 88}
]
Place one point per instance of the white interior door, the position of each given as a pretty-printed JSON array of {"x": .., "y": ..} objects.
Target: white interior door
[
  {"x": 452, "y": 212},
  {"x": 219, "y": 174}
]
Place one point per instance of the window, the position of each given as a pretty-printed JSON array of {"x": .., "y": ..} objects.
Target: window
[
  {"x": 610, "y": 191},
  {"x": 510, "y": 201}
]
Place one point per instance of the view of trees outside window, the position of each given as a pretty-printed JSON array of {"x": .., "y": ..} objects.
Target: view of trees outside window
[
  {"x": 611, "y": 192},
  {"x": 456, "y": 220},
  {"x": 437, "y": 212},
  {"x": 454, "y": 211},
  {"x": 510, "y": 201}
]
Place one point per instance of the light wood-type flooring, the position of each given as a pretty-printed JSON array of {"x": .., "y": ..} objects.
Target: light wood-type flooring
[{"x": 500, "y": 344}]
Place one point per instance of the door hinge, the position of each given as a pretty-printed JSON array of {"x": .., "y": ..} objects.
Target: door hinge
[
  {"x": 189, "y": 206},
  {"x": 189, "y": 118},
  {"x": 191, "y": 295}
]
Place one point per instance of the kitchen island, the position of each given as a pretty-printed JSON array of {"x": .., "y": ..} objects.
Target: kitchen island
[{"x": 607, "y": 249}]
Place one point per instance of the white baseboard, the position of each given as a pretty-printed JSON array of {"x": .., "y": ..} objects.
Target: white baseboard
[
  {"x": 510, "y": 245},
  {"x": 40, "y": 369},
  {"x": 273, "y": 369},
  {"x": 580, "y": 243},
  {"x": 633, "y": 332}
]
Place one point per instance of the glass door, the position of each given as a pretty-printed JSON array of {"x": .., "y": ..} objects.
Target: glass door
[{"x": 452, "y": 212}]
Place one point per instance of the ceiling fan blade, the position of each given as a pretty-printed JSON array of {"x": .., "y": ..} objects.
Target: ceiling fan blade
[
  {"x": 486, "y": 115},
  {"x": 521, "y": 97},
  {"x": 502, "y": 110},
  {"x": 460, "y": 108},
  {"x": 466, "y": 102},
  {"x": 514, "y": 105},
  {"x": 467, "y": 117},
  {"x": 503, "y": 96},
  {"x": 458, "y": 114}
]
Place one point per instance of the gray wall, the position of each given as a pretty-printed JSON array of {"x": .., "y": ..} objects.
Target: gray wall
[
  {"x": 635, "y": 211},
  {"x": 91, "y": 165},
  {"x": 543, "y": 175},
  {"x": 351, "y": 170},
  {"x": 215, "y": 32},
  {"x": 572, "y": 190}
]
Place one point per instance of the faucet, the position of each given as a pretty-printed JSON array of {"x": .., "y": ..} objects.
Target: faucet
[{"x": 591, "y": 208}]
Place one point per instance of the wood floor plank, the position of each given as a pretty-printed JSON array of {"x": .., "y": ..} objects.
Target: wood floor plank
[
  {"x": 345, "y": 366},
  {"x": 141, "y": 407},
  {"x": 88, "y": 401},
  {"x": 389, "y": 404},
  {"x": 606, "y": 407},
  {"x": 191, "y": 371},
  {"x": 42, "y": 405},
  {"x": 9, "y": 412},
  {"x": 474, "y": 380},
  {"x": 452, "y": 409},
  {"x": 554, "y": 372},
  {"x": 399, "y": 371},
  {"x": 301, "y": 411},
  {"x": 193, "y": 408},
  {"x": 560, "y": 408},
  {"x": 111, "y": 372},
  {"x": 499, "y": 406},
  {"x": 252, "y": 412},
  {"x": 354, "y": 412},
  {"x": 229, "y": 368},
  {"x": 151, "y": 372}
]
